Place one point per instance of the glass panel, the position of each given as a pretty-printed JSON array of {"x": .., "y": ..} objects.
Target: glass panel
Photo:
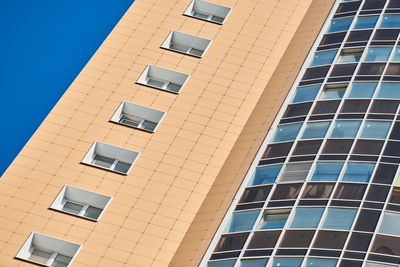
[
  {"x": 196, "y": 52},
  {"x": 61, "y": 261},
  {"x": 254, "y": 263},
  {"x": 297, "y": 238},
  {"x": 122, "y": 167},
  {"x": 394, "y": 4},
  {"x": 307, "y": 93},
  {"x": 93, "y": 212},
  {"x": 231, "y": 242},
  {"x": 200, "y": 15},
  {"x": 306, "y": 218},
  {"x": 242, "y": 221},
  {"x": 385, "y": 174},
  {"x": 323, "y": 58},
  {"x": 286, "y": 191},
  {"x": 327, "y": 171},
  {"x": 255, "y": 194},
  {"x": 390, "y": 224},
  {"x": 315, "y": 130},
  {"x": 155, "y": 83},
  {"x": 349, "y": 56},
  {"x": 396, "y": 56},
  {"x": 345, "y": 128},
  {"x": 377, "y": 193},
  {"x": 287, "y": 262},
  {"x": 395, "y": 197},
  {"x": 130, "y": 120},
  {"x": 366, "y": 22},
  {"x": 390, "y": 21},
  {"x": 326, "y": 107},
  {"x": 335, "y": 146},
  {"x": 274, "y": 219},
  {"x": 102, "y": 161},
  {"x": 393, "y": 69},
  {"x": 295, "y": 110},
  {"x": 295, "y": 172},
  {"x": 368, "y": 147},
  {"x": 330, "y": 239},
  {"x": 373, "y": 264},
  {"x": 386, "y": 245},
  {"x": 373, "y": 4},
  {"x": 359, "y": 36},
  {"x": 217, "y": 19},
  {"x": 40, "y": 256},
  {"x": 339, "y": 219},
  {"x": 265, "y": 239},
  {"x": 348, "y": 7},
  {"x": 287, "y": 132},
  {"x": 334, "y": 38},
  {"x": 316, "y": 72},
  {"x": 362, "y": 90},
  {"x": 333, "y": 92},
  {"x": 338, "y": 25},
  {"x": 386, "y": 34},
  {"x": 375, "y": 129},
  {"x": 371, "y": 68},
  {"x": 318, "y": 190},
  {"x": 277, "y": 150},
  {"x": 228, "y": 263},
  {"x": 307, "y": 147},
  {"x": 389, "y": 91},
  {"x": 358, "y": 172},
  {"x": 266, "y": 175},
  {"x": 375, "y": 54},
  {"x": 316, "y": 262},
  {"x": 367, "y": 220},
  {"x": 149, "y": 125},
  {"x": 350, "y": 191},
  {"x": 359, "y": 241},
  {"x": 72, "y": 207}
]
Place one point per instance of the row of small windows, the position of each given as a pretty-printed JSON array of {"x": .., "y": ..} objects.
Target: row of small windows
[{"x": 367, "y": 22}]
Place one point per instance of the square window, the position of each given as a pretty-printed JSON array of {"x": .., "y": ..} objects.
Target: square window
[
  {"x": 207, "y": 11},
  {"x": 338, "y": 25},
  {"x": 362, "y": 90},
  {"x": 377, "y": 54},
  {"x": 286, "y": 132},
  {"x": 333, "y": 91},
  {"x": 395, "y": 196},
  {"x": 186, "y": 44},
  {"x": 80, "y": 202},
  {"x": 315, "y": 130},
  {"x": 345, "y": 128},
  {"x": 309, "y": 147},
  {"x": 367, "y": 220},
  {"x": 323, "y": 58},
  {"x": 306, "y": 218},
  {"x": 277, "y": 150},
  {"x": 231, "y": 242},
  {"x": 306, "y": 93},
  {"x": 274, "y": 219},
  {"x": 375, "y": 129},
  {"x": 242, "y": 221},
  {"x": 255, "y": 194},
  {"x": 339, "y": 219},
  {"x": 264, "y": 239},
  {"x": 327, "y": 171},
  {"x": 358, "y": 172},
  {"x": 337, "y": 146},
  {"x": 389, "y": 90},
  {"x": 366, "y": 22},
  {"x": 388, "y": 245},
  {"x": 48, "y": 251},
  {"x": 390, "y": 21},
  {"x": 101, "y": 155},
  {"x": 265, "y": 175}
]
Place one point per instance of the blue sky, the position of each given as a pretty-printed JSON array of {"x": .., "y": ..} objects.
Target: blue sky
[{"x": 44, "y": 45}]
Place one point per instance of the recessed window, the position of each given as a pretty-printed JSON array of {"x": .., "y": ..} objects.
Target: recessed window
[
  {"x": 137, "y": 116},
  {"x": 186, "y": 43},
  {"x": 48, "y": 251},
  {"x": 350, "y": 55},
  {"x": 207, "y": 11},
  {"x": 306, "y": 218},
  {"x": 274, "y": 219},
  {"x": 333, "y": 91},
  {"x": 109, "y": 157},
  {"x": 164, "y": 79},
  {"x": 80, "y": 202},
  {"x": 327, "y": 171}
]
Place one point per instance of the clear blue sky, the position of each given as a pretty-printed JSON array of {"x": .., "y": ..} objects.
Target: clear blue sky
[{"x": 44, "y": 45}]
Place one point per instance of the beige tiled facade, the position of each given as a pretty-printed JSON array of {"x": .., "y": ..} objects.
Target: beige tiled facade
[{"x": 165, "y": 211}]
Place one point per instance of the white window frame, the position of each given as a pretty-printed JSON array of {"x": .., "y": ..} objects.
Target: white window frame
[
  {"x": 187, "y": 41},
  {"x": 207, "y": 9}
]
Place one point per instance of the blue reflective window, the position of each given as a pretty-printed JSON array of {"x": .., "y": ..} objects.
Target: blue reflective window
[
  {"x": 323, "y": 58},
  {"x": 362, "y": 90},
  {"x": 375, "y": 54},
  {"x": 390, "y": 21},
  {"x": 339, "y": 219},
  {"x": 327, "y": 171},
  {"x": 375, "y": 129},
  {"x": 228, "y": 263},
  {"x": 265, "y": 175},
  {"x": 389, "y": 91},
  {"x": 307, "y": 93},
  {"x": 316, "y": 262},
  {"x": 242, "y": 221},
  {"x": 338, "y": 25},
  {"x": 345, "y": 128},
  {"x": 275, "y": 219},
  {"x": 366, "y": 22},
  {"x": 315, "y": 130},
  {"x": 396, "y": 55},
  {"x": 306, "y": 218},
  {"x": 287, "y": 262},
  {"x": 253, "y": 263},
  {"x": 331, "y": 92},
  {"x": 358, "y": 172},
  {"x": 286, "y": 132}
]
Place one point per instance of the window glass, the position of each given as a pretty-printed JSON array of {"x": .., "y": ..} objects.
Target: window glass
[
  {"x": 318, "y": 190},
  {"x": 335, "y": 146},
  {"x": 390, "y": 21},
  {"x": 333, "y": 92},
  {"x": 254, "y": 263},
  {"x": 330, "y": 239},
  {"x": 316, "y": 72},
  {"x": 349, "y": 56},
  {"x": 377, "y": 193},
  {"x": 274, "y": 219},
  {"x": 338, "y": 25},
  {"x": 286, "y": 191},
  {"x": 307, "y": 93},
  {"x": 326, "y": 107},
  {"x": 266, "y": 175},
  {"x": 323, "y": 58},
  {"x": 228, "y": 263},
  {"x": 385, "y": 173},
  {"x": 373, "y": 4},
  {"x": 231, "y": 242},
  {"x": 242, "y": 221},
  {"x": 386, "y": 245},
  {"x": 375, "y": 54},
  {"x": 386, "y": 34},
  {"x": 287, "y": 132},
  {"x": 339, "y": 219},
  {"x": 395, "y": 196},
  {"x": 348, "y": 7},
  {"x": 359, "y": 241},
  {"x": 350, "y": 191},
  {"x": 390, "y": 224},
  {"x": 255, "y": 194},
  {"x": 384, "y": 106},
  {"x": 373, "y": 264},
  {"x": 315, "y": 130},
  {"x": 396, "y": 55},
  {"x": 327, "y": 171},
  {"x": 367, "y": 220},
  {"x": 355, "y": 106},
  {"x": 334, "y": 38},
  {"x": 362, "y": 90},
  {"x": 277, "y": 150},
  {"x": 264, "y": 239},
  {"x": 287, "y": 262},
  {"x": 297, "y": 239},
  {"x": 358, "y": 172},
  {"x": 371, "y": 68},
  {"x": 375, "y": 129},
  {"x": 366, "y": 22},
  {"x": 295, "y": 172},
  {"x": 389, "y": 90},
  {"x": 93, "y": 212},
  {"x": 306, "y": 218},
  {"x": 345, "y": 128},
  {"x": 359, "y": 36},
  {"x": 393, "y": 69},
  {"x": 308, "y": 147},
  {"x": 295, "y": 110},
  {"x": 316, "y": 262}
]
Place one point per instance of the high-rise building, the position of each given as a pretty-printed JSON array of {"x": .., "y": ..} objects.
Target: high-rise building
[{"x": 223, "y": 134}]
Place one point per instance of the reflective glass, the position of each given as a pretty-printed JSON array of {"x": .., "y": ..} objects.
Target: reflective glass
[
  {"x": 228, "y": 263},
  {"x": 390, "y": 21},
  {"x": 316, "y": 262},
  {"x": 375, "y": 54},
  {"x": 307, "y": 93},
  {"x": 254, "y": 263},
  {"x": 390, "y": 224},
  {"x": 295, "y": 172},
  {"x": 242, "y": 221},
  {"x": 287, "y": 262},
  {"x": 389, "y": 90},
  {"x": 327, "y": 171},
  {"x": 339, "y": 219},
  {"x": 333, "y": 92},
  {"x": 362, "y": 90},
  {"x": 266, "y": 175},
  {"x": 396, "y": 55},
  {"x": 287, "y": 132},
  {"x": 345, "y": 128},
  {"x": 373, "y": 264},
  {"x": 338, "y": 25},
  {"x": 358, "y": 172},
  {"x": 375, "y": 129},
  {"x": 348, "y": 56},
  {"x": 366, "y": 22},
  {"x": 323, "y": 58},
  {"x": 315, "y": 130},
  {"x": 93, "y": 212},
  {"x": 274, "y": 219},
  {"x": 306, "y": 218}
]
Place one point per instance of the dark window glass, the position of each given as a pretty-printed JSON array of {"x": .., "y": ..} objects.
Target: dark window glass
[
  {"x": 318, "y": 190},
  {"x": 395, "y": 196},
  {"x": 347, "y": 7},
  {"x": 255, "y": 194},
  {"x": 264, "y": 239},
  {"x": 358, "y": 36},
  {"x": 307, "y": 147},
  {"x": 386, "y": 245},
  {"x": 343, "y": 70},
  {"x": 286, "y": 191},
  {"x": 386, "y": 34},
  {"x": 392, "y": 149},
  {"x": 355, "y": 106},
  {"x": 393, "y": 69},
  {"x": 315, "y": 73},
  {"x": 330, "y": 239},
  {"x": 337, "y": 146},
  {"x": 350, "y": 191},
  {"x": 277, "y": 150},
  {"x": 384, "y": 106},
  {"x": 231, "y": 242},
  {"x": 367, "y": 220},
  {"x": 385, "y": 174},
  {"x": 368, "y": 147},
  {"x": 359, "y": 241},
  {"x": 325, "y": 107},
  {"x": 394, "y": 4},
  {"x": 333, "y": 38},
  {"x": 378, "y": 193},
  {"x": 297, "y": 110},
  {"x": 349, "y": 263},
  {"x": 395, "y": 131},
  {"x": 371, "y": 69},
  {"x": 296, "y": 238},
  {"x": 373, "y": 4}
]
